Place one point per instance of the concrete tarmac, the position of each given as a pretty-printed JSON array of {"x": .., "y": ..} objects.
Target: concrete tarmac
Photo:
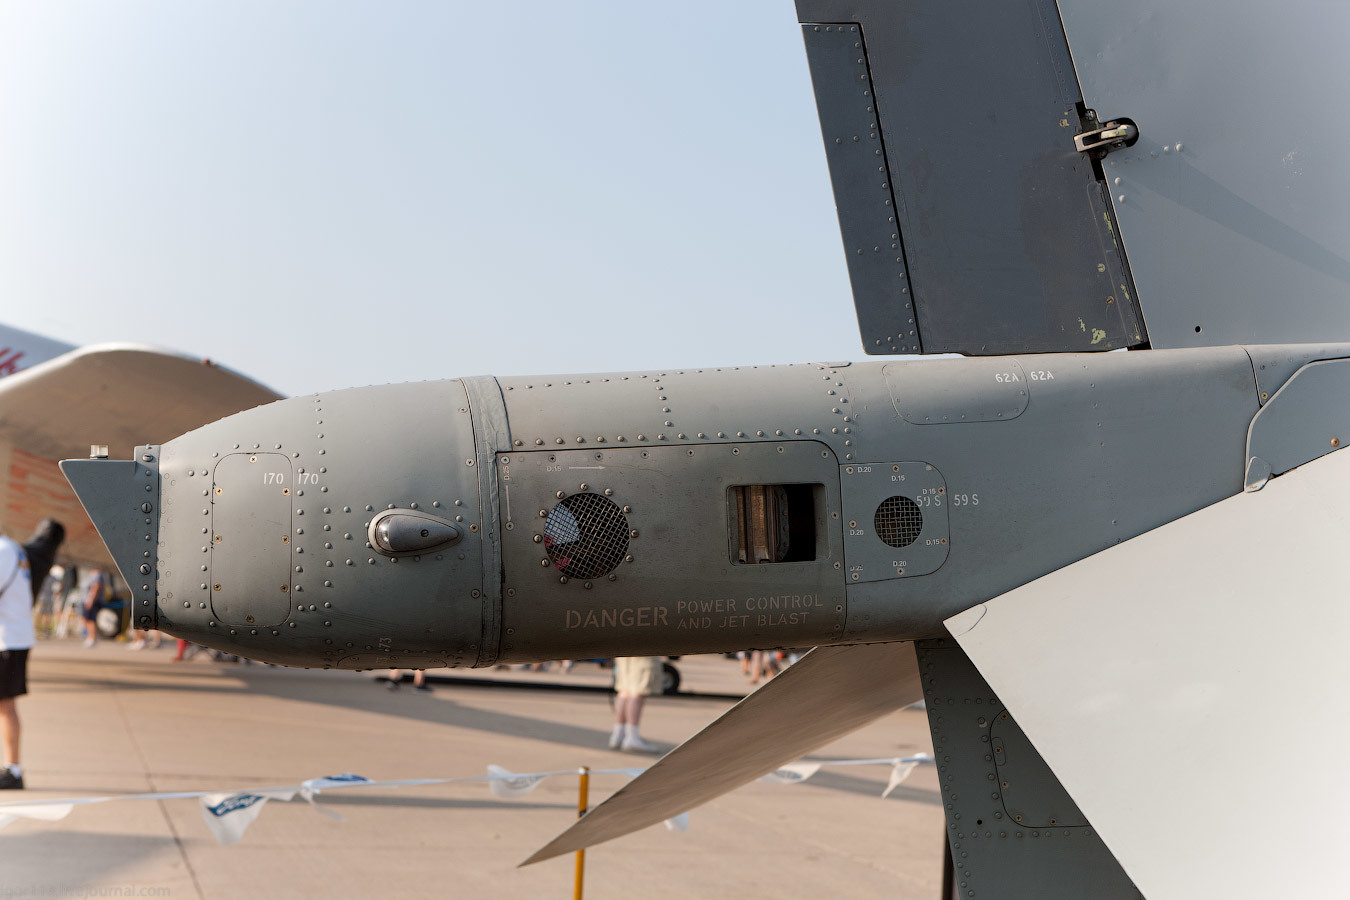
[{"x": 108, "y": 721}]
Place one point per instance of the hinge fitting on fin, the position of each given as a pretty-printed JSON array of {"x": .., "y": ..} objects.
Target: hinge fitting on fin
[{"x": 1111, "y": 136}]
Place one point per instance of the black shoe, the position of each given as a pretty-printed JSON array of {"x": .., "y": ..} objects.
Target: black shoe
[
  {"x": 391, "y": 685},
  {"x": 9, "y": 781},
  {"x": 422, "y": 688}
]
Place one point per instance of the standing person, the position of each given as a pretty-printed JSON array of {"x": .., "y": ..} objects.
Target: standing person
[
  {"x": 96, "y": 596},
  {"x": 68, "y": 607},
  {"x": 634, "y": 678},
  {"x": 48, "y": 599},
  {"x": 762, "y": 665},
  {"x": 41, "y": 552},
  {"x": 419, "y": 680},
  {"x": 139, "y": 638},
  {"x": 16, "y": 638}
]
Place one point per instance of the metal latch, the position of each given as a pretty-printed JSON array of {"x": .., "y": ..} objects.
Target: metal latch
[{"x": 1111, "y": 136}]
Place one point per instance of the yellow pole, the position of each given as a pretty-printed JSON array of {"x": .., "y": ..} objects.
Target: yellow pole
[{"x": 585, "y": 785}]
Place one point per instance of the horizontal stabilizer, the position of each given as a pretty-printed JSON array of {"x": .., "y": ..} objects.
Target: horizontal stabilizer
[
  {"x": 1148, "y": 675},
  {"x": 118, "y": 395},
  {"x": 828, "y": 693}
]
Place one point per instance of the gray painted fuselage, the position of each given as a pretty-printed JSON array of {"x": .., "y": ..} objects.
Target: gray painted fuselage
[{"x": 1017, "y": 465}]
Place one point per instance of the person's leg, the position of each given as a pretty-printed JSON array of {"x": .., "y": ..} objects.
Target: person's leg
[
  {"x": 9, "y": 730},
  {"x": 395, "y": 676},
  {"x": 420, "y": 681},
  {"x": 620, "y": 721},
  {"x": 632, "y": 738}
]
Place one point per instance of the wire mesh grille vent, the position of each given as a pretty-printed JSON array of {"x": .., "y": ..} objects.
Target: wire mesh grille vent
[
  {"x": 586, "y": 536},
  {"x": 898, "y": 521}
]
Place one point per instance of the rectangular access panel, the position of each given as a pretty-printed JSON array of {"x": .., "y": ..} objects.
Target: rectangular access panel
[
  {"x": 250, "y": 539},
  {"x": 666, "y": 549},
  {"x": 971, "y": 223}
]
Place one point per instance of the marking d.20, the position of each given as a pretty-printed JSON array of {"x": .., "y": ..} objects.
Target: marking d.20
[{"x": 897, "y": 520}]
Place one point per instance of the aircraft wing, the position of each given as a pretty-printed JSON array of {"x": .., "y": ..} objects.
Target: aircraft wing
[
  {"x": 120, "y": 395},
  {"x": 1187, "y": 688},
  {"x": 828, "y": 693}
]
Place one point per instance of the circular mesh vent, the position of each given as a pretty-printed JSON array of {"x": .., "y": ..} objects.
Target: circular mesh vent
[
  {"x": 586, "y": 536},
  {"x": 898, "y": 521}
]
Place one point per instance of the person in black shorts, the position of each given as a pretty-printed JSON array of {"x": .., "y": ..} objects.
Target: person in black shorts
[{"x": 16, "y": 638}]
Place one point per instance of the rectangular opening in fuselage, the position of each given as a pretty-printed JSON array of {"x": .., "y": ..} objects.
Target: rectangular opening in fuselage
[{"x": 773, "y": 523}]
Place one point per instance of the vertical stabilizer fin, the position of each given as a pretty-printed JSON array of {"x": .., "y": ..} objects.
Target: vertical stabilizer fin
[
  {"x": 1232, "y": 202},
  {"x": 121, "y": 497},
  {"x": 971, "y": 222},
  {"x": 1014, "y": 831}
]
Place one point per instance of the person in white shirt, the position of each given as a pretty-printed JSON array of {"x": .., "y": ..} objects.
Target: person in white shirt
[{"x": 16, "y": 639}]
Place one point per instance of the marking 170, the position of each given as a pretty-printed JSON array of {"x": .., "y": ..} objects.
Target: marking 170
[{"x": 280, "y": 478}]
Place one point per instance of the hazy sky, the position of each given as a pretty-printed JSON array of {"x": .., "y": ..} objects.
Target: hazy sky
[{"x": 323, "y": 194}]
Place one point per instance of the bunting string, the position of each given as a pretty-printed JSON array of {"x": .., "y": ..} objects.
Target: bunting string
[{"x": 228, "y": 814}]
